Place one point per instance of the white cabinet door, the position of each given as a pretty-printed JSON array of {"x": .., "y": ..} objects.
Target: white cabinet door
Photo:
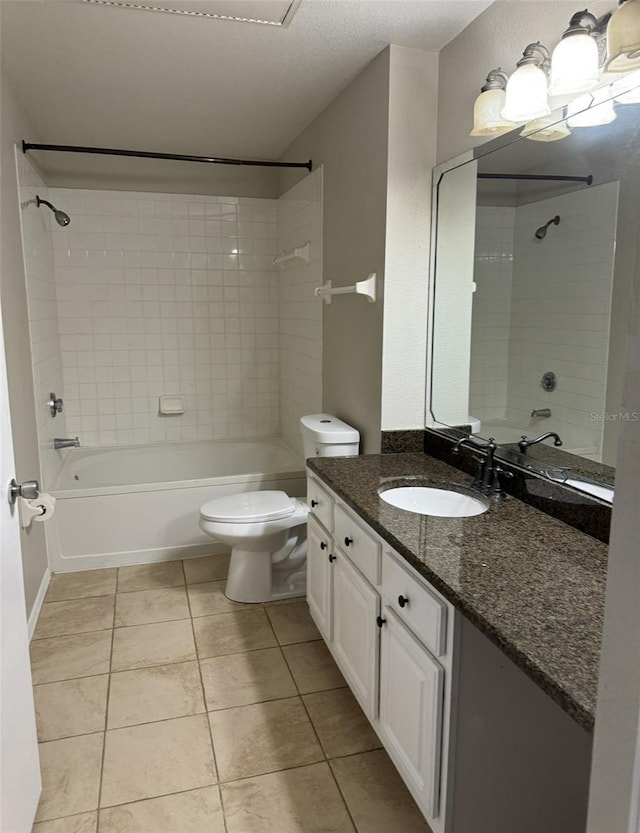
[
  {"x": 356, "y": 607},
  {"x": 411, "y": 709},
  {"x": 320, "y": 578}
]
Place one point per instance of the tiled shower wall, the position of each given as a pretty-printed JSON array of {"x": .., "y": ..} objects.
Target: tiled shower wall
[
  {"x": 164, "y": 294},
  {"x": 43, "y": 318},
  {"x": 560, "y": 314},
  {"x": 300, "y": 221},
  {"x": 491, "y": 322},
  {"x": 545, "y": 305}
]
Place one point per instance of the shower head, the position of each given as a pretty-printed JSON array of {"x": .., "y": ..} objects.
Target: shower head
[
  {"x": 541, "y": 233},
  {"x": 62, "y": 219}
]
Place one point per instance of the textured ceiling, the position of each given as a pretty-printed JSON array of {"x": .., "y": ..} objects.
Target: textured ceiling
[{"x": 99, "y": 75}]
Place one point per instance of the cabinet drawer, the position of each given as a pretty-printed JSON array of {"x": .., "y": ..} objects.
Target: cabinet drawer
[
  {"x": 421, "y": 610},
  {"x": 361, "y": 548},
  {"x": 320, "y": 504}
]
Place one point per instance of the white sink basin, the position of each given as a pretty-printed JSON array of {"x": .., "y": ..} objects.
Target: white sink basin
[{"x": 442, "y": 503}]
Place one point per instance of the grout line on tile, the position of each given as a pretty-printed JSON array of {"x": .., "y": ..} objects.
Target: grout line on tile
[
  {"x": 149, "y": 798},
  {"x": 224, "y": 812},
  {"x": 273, "y": 772},
  {"x": 106, "y": 717},
  {"x": 150, "y": 589},
  {"x": 64, "y": 635},
  {"x": 304, "y": 706},
  {"x": 79, "y": 598},
  {"x": 144, "y": 624},
  {"x": 342, "y": 796},
  {"x": 152, "y": 722},
  {"x": 204, "y": 696}
]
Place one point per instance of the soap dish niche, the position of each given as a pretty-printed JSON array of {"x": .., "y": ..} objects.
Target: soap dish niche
[{"x": 171, "y": 405}]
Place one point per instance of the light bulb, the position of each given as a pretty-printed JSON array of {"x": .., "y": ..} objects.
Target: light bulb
[
  {"x": 526, "y": 95},
  {"x": 574, "y": 65},
  {"x": 546, "y": 130},
  {"x": 487, "y": 118}
]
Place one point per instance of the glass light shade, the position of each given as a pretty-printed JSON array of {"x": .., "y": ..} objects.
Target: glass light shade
[
  {"x": 600, "y": 109},
  {"x": 526, "y": 95},
  {"x": 623, "y": 38},
  {"x": 487, "y": 118},
  {"x": 546, "y": 130},
  {"x": 574, "y": 65},
  {"x": 627, "y": 90}
]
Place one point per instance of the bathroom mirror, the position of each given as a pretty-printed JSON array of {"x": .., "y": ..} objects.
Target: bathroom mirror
[{"x": 535, "y": 254}]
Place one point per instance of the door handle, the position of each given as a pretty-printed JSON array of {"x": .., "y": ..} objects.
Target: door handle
[{"x": 29, "y": 490}]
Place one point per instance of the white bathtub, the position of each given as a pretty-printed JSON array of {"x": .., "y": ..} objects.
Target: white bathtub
[{"x": 135, "y": 504}]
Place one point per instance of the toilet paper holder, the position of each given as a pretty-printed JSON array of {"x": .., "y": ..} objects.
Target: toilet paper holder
[{"x": 39, "y": 509}]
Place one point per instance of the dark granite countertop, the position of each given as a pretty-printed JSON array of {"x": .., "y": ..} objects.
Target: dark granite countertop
[{"x": 532, "y": 584}]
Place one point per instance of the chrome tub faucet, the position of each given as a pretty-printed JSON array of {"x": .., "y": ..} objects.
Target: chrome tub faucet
[{"x": 68, "y": 442}]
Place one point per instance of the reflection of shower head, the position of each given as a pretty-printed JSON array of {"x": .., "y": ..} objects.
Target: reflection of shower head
[
  {"x": 62, "y": 219},
  {"x": 541, "y": 233}
]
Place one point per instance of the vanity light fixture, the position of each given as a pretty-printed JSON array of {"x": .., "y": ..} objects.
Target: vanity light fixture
[
  {"x": 592, "y": 109},
  {"x": 575, "y": 60},
  {"x": 623, "y": 37},
  {"x": 526, "y": 93},
  {"x": 547, "y": 129},
  {"x": 487, "y": 110}
]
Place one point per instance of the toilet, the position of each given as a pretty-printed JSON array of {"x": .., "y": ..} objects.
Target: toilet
[{"x": 267, "y": 531}]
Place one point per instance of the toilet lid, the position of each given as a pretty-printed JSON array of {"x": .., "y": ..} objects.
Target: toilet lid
[{"x": 250, "y": 506}]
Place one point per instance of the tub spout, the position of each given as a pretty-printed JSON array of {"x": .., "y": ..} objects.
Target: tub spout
[{"x": 69, "y": 442}]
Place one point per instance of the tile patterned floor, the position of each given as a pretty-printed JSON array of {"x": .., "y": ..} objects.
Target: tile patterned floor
[{"x": 163, "y": 707}]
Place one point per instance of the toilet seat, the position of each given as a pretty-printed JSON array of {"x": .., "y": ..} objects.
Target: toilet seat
[{"x": 249, "y": 507}]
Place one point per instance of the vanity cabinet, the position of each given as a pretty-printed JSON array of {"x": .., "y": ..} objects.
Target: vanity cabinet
[
  {"x": 391, "y": 636},
  {"x": 320, "y": 578},
  {"x": 356, "y": 607},
  {"x": 411, "y": 710}
]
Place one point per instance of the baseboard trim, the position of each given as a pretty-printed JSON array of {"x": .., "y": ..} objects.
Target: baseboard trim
[{"x": 32, "y": 621}]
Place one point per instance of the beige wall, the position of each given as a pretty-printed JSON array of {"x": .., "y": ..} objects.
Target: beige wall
[
  {"x": 413, "y": 105},
  {"x": 496, "y": 38},
  {"x": 16, "y": 333},
  {"x": 377, "y": 144},
  {"x": 350, "y": 139},
  {"x": 613, "y": 801},
  {"x": 73, "y": 170}
]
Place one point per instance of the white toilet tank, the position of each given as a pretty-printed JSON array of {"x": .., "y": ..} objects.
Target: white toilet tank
[{"x": 324, "y": 435}]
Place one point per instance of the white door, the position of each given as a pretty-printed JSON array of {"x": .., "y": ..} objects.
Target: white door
[
  {"x": 19, "y": 766},
  {"x": 411, "y": 706},
  {"x": 319, "y": 577},
  {"x": 356, "y": 606}
]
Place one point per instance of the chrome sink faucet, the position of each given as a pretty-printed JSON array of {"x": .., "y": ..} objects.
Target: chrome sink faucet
[
  {"x": 488, "y": 476},
  {"x": 524, "y": 443},
  {"x": 70, "y": 442}
]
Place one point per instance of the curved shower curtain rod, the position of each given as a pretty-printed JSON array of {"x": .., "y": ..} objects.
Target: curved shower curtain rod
[
  {"x": 539, "y": 177},
  {"x": 176, "y": 157}
]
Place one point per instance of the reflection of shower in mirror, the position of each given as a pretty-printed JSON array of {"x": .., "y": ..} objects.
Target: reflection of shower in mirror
[{"x": 541, "y": 233}]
